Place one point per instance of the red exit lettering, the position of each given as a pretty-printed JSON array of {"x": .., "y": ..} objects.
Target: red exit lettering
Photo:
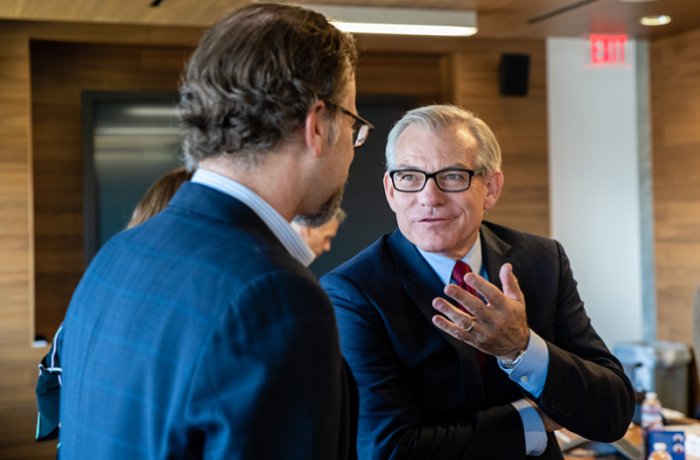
[{"x": 607, "y": 49}]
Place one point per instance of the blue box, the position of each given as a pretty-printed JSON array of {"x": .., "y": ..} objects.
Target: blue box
[{"x": 674, "y": 440}]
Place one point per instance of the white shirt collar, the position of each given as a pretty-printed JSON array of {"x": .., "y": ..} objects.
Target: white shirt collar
[
  {"x": 443, "y": 265},
  {"x": 292, "y": 242}
]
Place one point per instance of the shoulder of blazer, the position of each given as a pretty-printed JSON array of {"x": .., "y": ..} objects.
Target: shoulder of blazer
[
  {"x": 212, "y": 204},
  {"x": 510, "y": 236},
  {"x": 373, "y": 256},
  {"x": 391, "y": 254},
  {"x": 532, "y": 256},
  {"x": 200, "y": 199},
  {"x": 504, "y": 239},
  {"x": 389, "y": 264}
]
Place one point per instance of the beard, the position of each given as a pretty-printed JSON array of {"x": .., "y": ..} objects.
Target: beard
[{"x": 327, "y": 211}]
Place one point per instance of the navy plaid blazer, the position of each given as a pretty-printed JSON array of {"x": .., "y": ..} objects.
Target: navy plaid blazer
[{"x": 197, "y": 335}]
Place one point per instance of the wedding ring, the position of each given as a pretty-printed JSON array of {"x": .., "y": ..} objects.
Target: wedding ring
[{"x": 471, "y": 326}]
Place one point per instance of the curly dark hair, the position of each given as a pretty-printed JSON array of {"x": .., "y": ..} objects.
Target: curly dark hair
[{"x": 254, "y": 75}]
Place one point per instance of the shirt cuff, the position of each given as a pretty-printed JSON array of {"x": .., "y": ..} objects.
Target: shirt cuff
[
  {"x": 531, "y": 372},
  {"x": 533, "y": 428}
]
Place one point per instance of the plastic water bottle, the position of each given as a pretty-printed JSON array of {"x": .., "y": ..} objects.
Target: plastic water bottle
[
  {"x": 651, "y": 420},
  {"x": 659, "y": 452},
  {"x": 651, "y": 412}
]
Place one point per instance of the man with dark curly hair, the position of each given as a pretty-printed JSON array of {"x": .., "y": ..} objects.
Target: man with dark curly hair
[{"x": 201, "y": 333}]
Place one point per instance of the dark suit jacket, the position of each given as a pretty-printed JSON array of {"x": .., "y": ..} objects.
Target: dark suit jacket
[
  {"x": 197, "y": 335},
  {"x": 421, "y": 392}
]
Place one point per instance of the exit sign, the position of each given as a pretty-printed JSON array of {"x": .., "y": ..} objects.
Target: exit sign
[{"x": 607, "y": 49}]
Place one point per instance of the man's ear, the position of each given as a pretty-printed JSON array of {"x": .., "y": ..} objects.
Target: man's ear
[
  {"x": 305, "y": 231},
  {"x": 302, "y": 230},
  {"x": 494, "y": 186},
  {"x": 389, "y": 191},
  {"x": 316, "y": 127}
]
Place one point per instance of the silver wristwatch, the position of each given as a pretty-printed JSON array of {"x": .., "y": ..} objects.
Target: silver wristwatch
[{"x": 512, "y": 363}]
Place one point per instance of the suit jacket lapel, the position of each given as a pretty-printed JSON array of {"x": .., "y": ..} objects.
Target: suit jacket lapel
[
  {"x": 493, "y": 252},
  {"x": 422, "y": 284},
  {"x": 417, "y": 277}
]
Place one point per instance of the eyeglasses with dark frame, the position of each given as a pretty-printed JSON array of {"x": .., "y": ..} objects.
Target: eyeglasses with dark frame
[
  {"x": 360, "y": 129},
  {"x": 447, "y": 180}
]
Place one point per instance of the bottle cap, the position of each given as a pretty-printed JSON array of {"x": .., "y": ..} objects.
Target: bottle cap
[{"x": 651, "y": 395}]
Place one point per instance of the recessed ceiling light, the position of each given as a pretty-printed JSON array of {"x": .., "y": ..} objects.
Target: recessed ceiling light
[{"x": 655, "y": 20}]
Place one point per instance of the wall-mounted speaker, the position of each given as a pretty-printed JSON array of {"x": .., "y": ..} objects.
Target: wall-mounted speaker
[{"x": 514, "y": 74}]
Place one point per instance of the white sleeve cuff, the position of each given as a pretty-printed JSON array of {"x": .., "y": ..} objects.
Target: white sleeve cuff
[{"x": 531, "y": 372}]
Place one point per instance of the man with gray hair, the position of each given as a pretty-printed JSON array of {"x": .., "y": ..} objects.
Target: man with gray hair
[
  {"x": 201, "y": 333},
  {"x": 467, "y": 339},
  {"x": 319, "y": 237}
]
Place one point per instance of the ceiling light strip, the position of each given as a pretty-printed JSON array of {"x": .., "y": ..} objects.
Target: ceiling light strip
[{"x": 404, "y": 21}]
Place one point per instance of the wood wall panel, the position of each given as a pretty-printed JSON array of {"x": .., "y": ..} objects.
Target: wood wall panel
[
  {"x": 395, "y": 74},
  {"x": 520, "y": 124},
  {"x": 675, "y": 104},
  {"x": 17, "y": 359},
  {"x": 60, "y": 73},
  {"x": 57, "y": 211}
]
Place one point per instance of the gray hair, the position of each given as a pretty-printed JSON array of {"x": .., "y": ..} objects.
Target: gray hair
[
  {"x": 437, "y": 117},
  {"x": 340, "y": 215}
]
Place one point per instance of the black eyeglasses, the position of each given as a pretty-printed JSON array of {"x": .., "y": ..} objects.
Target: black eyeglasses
[
  {"x": 447, "y": 180},
  {"x": 361, "y": 127}
]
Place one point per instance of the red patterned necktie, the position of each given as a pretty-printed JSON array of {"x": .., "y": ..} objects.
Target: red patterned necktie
[{"x": 460, "y": 269}]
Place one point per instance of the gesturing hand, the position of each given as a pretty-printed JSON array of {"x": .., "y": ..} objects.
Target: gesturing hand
[{"x": 497, "y": 327}]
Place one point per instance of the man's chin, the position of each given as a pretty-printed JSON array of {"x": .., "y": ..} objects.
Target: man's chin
[{"x": 428, "y": 243}]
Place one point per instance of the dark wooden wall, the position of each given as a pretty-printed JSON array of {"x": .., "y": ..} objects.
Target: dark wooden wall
[
  {"x": 18, "y": 185},
  {"x": 58, "y": 149},
  {"x": 17, "y": 359}
]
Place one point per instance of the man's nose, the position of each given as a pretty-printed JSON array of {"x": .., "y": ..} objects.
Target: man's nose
[{"x": 431, "y": 194}]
